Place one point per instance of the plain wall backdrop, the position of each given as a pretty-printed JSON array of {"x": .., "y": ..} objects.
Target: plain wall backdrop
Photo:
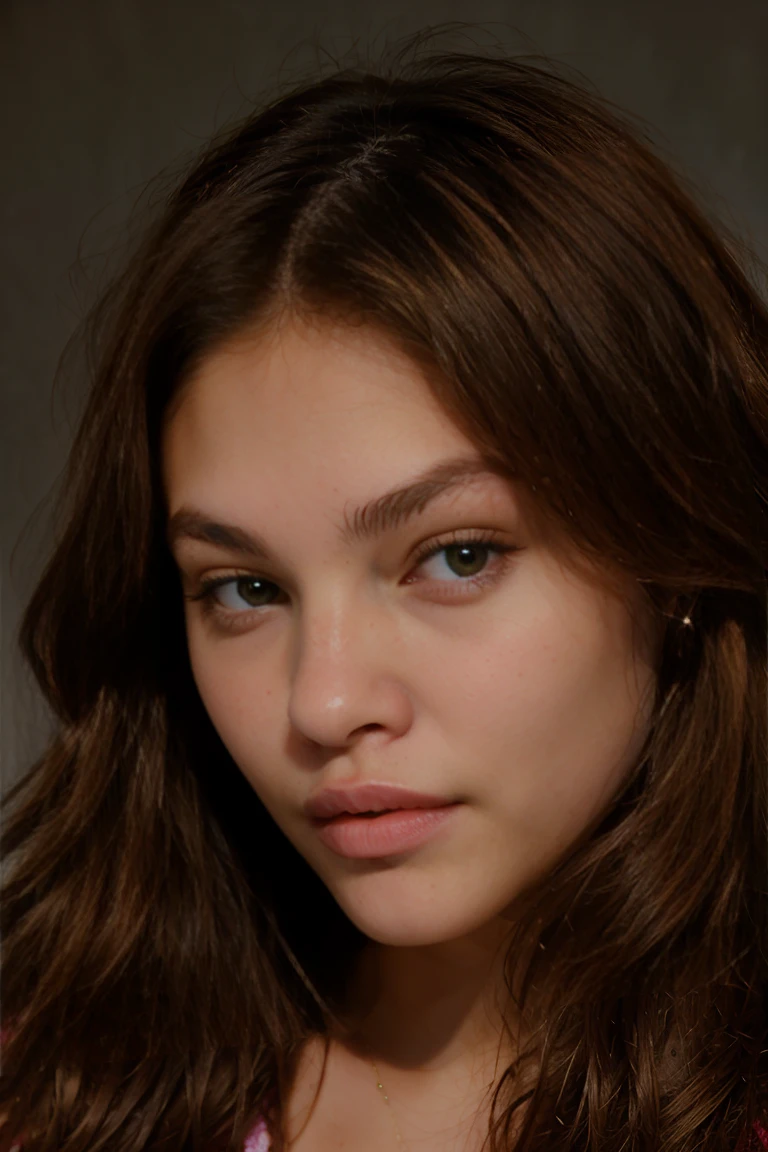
[{"x": 98, "y": 96}]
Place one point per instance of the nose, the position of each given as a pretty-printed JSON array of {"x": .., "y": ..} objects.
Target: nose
[{"x": 348, "y": 672}]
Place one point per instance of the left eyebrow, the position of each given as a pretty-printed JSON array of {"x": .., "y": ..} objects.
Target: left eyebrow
[{"x": 373, "y": 519}]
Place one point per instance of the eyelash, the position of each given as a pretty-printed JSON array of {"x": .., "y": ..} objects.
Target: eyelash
[{"x": 488, "y": 539}]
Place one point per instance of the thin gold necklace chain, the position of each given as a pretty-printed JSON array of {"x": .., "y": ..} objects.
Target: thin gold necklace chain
[
  {"x": 380, "y": 1086},
  {"x": 398, "y": 1134}
]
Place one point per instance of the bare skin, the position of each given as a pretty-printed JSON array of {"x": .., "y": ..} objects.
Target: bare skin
[
  {"x": 438, "y": 1091},
  {"x": 442, "y": 1108}
]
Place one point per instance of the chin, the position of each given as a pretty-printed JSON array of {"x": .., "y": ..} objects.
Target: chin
[{"x": 409, "y": 915}]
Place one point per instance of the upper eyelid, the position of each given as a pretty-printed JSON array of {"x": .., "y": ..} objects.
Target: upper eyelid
[
  {"x": 422, "y": 553},
  {"x": 382, "y": 515},
  {"x": 419, "y": 552}
]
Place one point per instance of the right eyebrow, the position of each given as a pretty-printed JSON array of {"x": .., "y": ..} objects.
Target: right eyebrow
[{"x": 373, "y": 519}]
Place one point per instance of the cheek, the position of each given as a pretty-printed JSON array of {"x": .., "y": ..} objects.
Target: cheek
[
  {"x": 551, "y": 718},
  {"x": 239, "y": 696}
]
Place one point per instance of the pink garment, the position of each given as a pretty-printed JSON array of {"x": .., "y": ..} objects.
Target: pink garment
[{"x": 258, "y": 1139}]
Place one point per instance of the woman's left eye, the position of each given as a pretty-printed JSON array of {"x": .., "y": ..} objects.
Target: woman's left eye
[{"x": 464, "y": 556}]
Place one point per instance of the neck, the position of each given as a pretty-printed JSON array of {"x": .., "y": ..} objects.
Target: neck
[{"x": 430, "y": 1007}]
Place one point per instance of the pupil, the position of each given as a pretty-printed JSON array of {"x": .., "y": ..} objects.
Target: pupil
[
  {"x": 465, "y": 550},
  {"x": 252, "y": 591}
]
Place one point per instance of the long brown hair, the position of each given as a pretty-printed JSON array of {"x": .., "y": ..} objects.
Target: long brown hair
[{"x": 166, "y": 951}]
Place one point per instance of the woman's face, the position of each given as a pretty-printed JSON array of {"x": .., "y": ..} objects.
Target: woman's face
[{"x": 486, "y": 675}]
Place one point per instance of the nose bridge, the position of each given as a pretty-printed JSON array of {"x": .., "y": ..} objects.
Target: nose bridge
[
  {"x": 339, "y": 663},
  {"x": 335, "y": 622}
]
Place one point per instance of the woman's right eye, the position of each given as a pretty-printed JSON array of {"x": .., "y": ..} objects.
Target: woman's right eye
[{"x": 235, "y": 593}]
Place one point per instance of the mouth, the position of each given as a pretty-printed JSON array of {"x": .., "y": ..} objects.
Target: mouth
[
  {"x": 368, "y": 798},
  {"x": 383, "y": 832},
  {"x": 365, "y": 815}
]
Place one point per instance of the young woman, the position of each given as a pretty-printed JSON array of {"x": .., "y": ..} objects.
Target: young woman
[{"x": 407, "y": 638}]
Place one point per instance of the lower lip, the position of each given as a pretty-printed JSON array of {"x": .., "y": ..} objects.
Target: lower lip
[{"x": 368, "y": 837}]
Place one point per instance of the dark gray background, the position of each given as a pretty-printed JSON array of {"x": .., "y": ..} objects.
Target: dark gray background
[{"x": 98, "y": 96}]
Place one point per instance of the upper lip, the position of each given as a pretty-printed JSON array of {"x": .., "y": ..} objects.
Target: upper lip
[{"x": 370, "y": 797}]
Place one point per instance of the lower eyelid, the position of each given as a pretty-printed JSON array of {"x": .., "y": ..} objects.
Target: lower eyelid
[
  {"x": 501, "y": 552},
  {"x": 209, "y": 588}
]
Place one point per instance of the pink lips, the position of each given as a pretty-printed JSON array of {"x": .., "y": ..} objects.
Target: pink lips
[{"x": 372, "y": 820}]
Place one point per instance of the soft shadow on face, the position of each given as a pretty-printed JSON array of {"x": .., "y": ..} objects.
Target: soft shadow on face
[{"x": 518, "y": 690}]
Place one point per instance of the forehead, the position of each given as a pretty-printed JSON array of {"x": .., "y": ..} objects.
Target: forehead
[
  {"x": 316, "y": 398},
  {"x": 309, "y": 366}
]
